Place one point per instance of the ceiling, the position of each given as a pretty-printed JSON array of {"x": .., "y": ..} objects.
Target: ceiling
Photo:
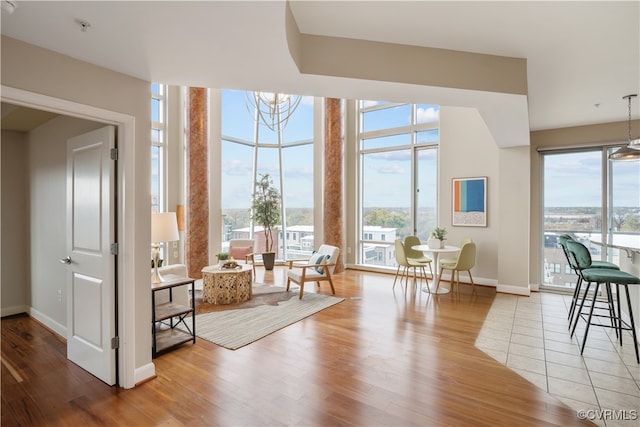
[
  {"x": 582, "y": 56},
  {"x": 23, "y": 119}
]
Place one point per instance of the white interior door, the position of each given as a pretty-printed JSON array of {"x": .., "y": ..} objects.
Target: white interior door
[{"x": 91, "y": 266}]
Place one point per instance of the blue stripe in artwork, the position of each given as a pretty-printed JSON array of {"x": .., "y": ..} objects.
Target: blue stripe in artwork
[{"x": 473, "y": 196}]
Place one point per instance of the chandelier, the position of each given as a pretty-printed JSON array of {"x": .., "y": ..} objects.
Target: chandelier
[
  {"x": 632, "y": 150},
  {"x": 273, "y": 109}
]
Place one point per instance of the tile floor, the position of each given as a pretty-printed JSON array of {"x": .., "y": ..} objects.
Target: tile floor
[{"x": 530, "y": 335}]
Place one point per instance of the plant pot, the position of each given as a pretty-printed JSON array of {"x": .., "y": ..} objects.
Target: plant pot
[
  {"x": 435, "y": 244},
  {"x": 268, "y": 259}
]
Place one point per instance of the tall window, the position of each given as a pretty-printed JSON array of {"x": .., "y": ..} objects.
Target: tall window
[
  {"x": 158, "y": 146},
  {"x": 249, "y": 148},
  {"x": 590, "y": 198},
  {"x": 398, "y": 146}
]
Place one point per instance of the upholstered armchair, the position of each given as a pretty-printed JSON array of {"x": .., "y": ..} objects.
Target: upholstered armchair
[
  {"x": 243, "y": 249},
  {"x": 316, "y": 269},
  {"x": 181, "y": 293}
]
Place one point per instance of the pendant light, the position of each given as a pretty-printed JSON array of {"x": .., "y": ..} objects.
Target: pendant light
[
  {"x": 632, "y": 150},
  {"x": 273, "y": 109}
]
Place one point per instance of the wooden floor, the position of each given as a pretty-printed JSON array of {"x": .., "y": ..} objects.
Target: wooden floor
[{"x": 378, "y": 358}]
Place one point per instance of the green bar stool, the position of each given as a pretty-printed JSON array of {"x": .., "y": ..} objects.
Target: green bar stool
[
  {"x": 562, "y": 241},
  {"x": 606, "y": 276}
]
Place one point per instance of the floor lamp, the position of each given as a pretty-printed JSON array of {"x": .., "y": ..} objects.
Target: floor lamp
[{"x": 164, "y": 228}]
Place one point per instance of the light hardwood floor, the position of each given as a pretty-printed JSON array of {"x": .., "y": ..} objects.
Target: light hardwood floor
[{"x": 381, "y": 357}]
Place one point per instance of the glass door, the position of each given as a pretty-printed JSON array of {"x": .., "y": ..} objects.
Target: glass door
[{"x": 572, "y": 204}]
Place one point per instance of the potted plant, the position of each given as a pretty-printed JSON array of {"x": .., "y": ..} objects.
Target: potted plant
[
  {"x": 265, "y": 210},
  {"x": 223, "y": 256},
  {"x": 437, "y": 237}
]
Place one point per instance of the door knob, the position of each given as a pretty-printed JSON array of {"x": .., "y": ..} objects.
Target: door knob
[{"x": 66, "y": 260}]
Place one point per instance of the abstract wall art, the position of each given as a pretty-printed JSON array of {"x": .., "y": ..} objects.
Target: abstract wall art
[{"x": 469, "y": 202}]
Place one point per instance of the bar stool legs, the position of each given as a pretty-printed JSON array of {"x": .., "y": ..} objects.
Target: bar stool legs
[
  {"x": 622, "y": 325},
  {"x": 574, "y": 300},
  {"x": 615, "y": 316},
  {"x": 583, "y": 266}
]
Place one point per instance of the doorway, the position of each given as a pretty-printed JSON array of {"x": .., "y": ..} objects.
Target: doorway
[{"x": 125, "y": 126}]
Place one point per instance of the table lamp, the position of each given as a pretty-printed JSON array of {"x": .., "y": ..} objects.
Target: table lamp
[{"x": 164, "y": 228}]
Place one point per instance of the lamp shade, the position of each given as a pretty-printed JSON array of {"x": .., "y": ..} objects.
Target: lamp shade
[
  {"x": 164, "y": 227},
  {"x": 628, "y": 152},
  {"x": 632, "y": 150}
]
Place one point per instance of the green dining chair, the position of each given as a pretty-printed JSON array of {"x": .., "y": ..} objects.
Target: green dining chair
[
  {"x": 403, "y": 261},
  {"x": 465, "y": 261},
  {"x": 414, "y": 255}
]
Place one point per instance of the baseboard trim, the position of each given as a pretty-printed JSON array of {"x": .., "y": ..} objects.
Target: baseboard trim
[
  {"x": 464, "y": 278},
  {"x": 144, "y": 373},
  {"x": 10, "y": 311},
  {"x": 515, "y": 290},
  {"x": 49, "y": 322}
]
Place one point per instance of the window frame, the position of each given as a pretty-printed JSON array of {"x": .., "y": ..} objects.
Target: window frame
[
  {"x": 161, "y": 97},
  {"x": 257, "y": 146},
  {"x": 413, "y": 146},
  {"x": 606, "y": 206}
]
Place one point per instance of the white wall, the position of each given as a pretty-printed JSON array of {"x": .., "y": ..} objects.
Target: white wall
[
  {"x": 467, "y": 149},
  {"x": 513, "y": 243},
  {"x": 48, "y": 236},
  {"x": 14, "y": 263}
]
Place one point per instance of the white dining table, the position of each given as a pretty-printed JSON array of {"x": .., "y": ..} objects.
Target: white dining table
[{"x": 436, "y": 254}]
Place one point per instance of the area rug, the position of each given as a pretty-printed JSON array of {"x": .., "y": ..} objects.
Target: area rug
[{"x": 237, "y": 325}]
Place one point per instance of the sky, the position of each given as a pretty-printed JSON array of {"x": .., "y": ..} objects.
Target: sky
[
  {"x": 570, "y": 179},
  {"x": 386, "y": 173},
  {"x": 575, "y": 180},
  {"x": 237, "y": 159}
]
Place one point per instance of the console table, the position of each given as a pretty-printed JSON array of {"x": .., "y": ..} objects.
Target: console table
[
  {"x": 166, "y": 317},
  {"x": 226, "y": 286}
]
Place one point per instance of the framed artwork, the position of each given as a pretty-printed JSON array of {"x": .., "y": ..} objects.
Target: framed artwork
[{"x": 469, "y": 202}]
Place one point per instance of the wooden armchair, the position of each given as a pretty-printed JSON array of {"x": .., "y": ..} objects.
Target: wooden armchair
[{"x": 318, "y": 268}]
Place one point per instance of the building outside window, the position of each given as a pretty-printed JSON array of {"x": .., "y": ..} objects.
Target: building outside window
[{"x": 398, "y": 181}]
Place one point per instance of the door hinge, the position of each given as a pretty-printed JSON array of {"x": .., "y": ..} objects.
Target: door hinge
[
  {"x": 114, "y": 249},
  {"x": 115, "y": 343},
  {"x": 114, "y": 154}
]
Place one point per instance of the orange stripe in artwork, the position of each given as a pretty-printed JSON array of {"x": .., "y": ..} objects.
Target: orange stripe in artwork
[{"x": 456, "y": 196}]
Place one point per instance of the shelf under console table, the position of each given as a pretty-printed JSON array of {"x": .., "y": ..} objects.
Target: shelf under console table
[{"x": 170, "y": 326}]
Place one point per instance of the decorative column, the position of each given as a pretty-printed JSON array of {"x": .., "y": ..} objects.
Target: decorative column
[
  {"x": 197, "y": 171},
  {"x": 332, "y": 209}
]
